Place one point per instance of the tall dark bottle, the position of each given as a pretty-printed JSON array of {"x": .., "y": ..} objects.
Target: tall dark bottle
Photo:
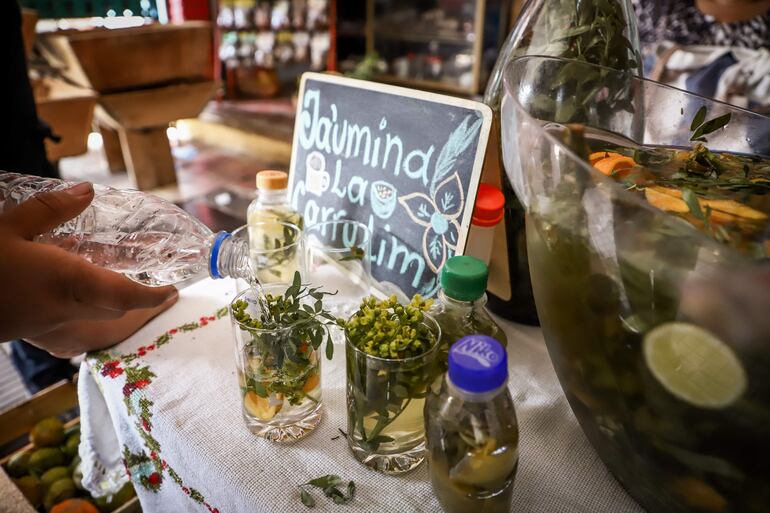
[{"x": 571, "y": 29}]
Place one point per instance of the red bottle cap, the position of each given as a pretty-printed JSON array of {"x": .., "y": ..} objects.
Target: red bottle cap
[{"x": 490, "y": 205}]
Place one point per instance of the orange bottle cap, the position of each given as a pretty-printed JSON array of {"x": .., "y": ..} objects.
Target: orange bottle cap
[
  {"x": 490, "y": 206},
  {"x": 272, "y": 180}
]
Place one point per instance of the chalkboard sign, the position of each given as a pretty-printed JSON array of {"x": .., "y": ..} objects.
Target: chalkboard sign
[{"x": 404, "y": 162}]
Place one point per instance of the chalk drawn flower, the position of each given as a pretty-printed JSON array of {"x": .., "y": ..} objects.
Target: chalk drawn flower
[{"x": 439, "y": 217}]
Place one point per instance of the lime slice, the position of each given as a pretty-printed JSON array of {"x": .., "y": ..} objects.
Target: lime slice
[{"x": 694, "y": 365}]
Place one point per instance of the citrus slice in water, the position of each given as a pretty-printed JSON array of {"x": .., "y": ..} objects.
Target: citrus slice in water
[{"x": 694, "y": 365}]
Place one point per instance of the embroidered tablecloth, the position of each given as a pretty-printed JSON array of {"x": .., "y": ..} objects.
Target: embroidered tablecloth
[{"x": 164, "y": 408}]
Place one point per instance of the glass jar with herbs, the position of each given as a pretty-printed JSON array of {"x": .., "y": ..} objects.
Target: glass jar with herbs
[
  {"x": 278, "y": 338},
  {"x": 471, "y": 430},
  {"x": 390, "y": 353},
  {"x": 460, "y": 309}
]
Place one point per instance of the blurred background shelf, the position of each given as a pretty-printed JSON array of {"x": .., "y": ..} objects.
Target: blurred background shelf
[{"x": 448, "y": 46}]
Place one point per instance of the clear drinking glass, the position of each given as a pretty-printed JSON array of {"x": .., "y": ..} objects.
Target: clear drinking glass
[
  {"x": 386, "y": 398},
  {"x": 273, "y": 251},
  {"x": 279, "y": 374},
  {"x": 336, "y": 257}
]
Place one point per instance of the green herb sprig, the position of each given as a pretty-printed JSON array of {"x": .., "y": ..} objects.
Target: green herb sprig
[
  {"x": 279, "y": 251},
  {"x": 356, "y": 253},
  {"x": 701, "y": 128},
  {"x": 589, "y": 31},
  {"x": 329, "y": 484}
]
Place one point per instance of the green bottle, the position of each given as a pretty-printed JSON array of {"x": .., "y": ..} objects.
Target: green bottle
[{"x": 460, "y": 309}]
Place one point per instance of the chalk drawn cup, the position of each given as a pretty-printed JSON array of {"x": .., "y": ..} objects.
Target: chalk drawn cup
[
  {"x": 316, "y": 178},
  {"x": 383, "y": 199},
  {"x": 336, "y": 256}
]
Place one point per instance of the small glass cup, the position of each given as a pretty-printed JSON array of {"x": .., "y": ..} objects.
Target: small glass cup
[
  {"x": 385, "y": 399},
  {"x": 336, "y": 256},
  {"x": 273, "y": 250},
  {"x": 279, "y": 374}
]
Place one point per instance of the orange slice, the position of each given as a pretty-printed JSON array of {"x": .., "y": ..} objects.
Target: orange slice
[
  {"x": 615, "y": 165},
  {"x": 722, "y": 211},
  {"x": 664, "y": 201},
  {"x": 259, "y": 407},
  {"x": 600, "y": 155},
  {"x": 718, "y": 217},
  {"x": 700, "y": 495},
  {"x": 735, "y": 208},
  {"x": 667, "y": 190},
  {"x": 311, "y": 383}
]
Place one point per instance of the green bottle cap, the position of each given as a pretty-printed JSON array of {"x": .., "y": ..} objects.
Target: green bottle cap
[{"x": 464, "y": 278}]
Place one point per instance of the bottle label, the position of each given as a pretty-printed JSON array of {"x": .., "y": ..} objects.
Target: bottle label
[{"x": 480, "y": 350}]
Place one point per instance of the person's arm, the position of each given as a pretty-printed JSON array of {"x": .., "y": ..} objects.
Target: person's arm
[{"x": 43, "y": 288}]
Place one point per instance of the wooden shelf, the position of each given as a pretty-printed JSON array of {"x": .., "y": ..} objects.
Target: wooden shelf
[
  {"x": 457, "y": 39},
  {"x": 435, "y": 85}
]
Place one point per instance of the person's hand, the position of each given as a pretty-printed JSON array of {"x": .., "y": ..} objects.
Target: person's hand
[
  {"x": 44, "y": 287},
  {"x": 73, "y": 338}
]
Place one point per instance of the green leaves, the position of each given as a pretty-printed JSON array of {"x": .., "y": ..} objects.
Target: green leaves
[
  {"x": 697, "y": 121},
  {"x": 306, "y": 498},
  {"x": 325, "y": 481},
  {"x": 700, "y": 129},
  {"x": 373, "y": 444},
  {"x": 329, "y": 484},
  {"x": 329, "y": 347},
  {"x": 257, "y": 387},
  {"x": 356, "y": 253},
  {"x": 691, "y": 199},
  {"x": 654, "y": 157},
  {"x": 587, "y": 31}
]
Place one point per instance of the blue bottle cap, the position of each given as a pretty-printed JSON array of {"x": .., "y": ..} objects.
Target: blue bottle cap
[
  {"x": 214, "y": 255},
  {"x": 478, "y": 363}
]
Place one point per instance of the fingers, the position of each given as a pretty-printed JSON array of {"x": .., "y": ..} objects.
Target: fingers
[
  {"x": 94, "y": 286},
  {"x": 74, "y": 338},
  {"x": 47, "y": 210}
]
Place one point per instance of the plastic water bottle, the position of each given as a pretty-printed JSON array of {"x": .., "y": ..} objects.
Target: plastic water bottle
[
  {"x": 471, "y": 430},
  {"x": 144, "y": 237}
]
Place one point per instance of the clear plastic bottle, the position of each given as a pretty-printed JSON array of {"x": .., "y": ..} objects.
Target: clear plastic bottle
[
  {"x": 472, "y": 436},
  {"x": 144, "y": 237},
  {"x": 460, "y": 309}
]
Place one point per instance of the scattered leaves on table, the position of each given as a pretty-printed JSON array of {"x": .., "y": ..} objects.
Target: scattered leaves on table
[{"x": 330, "y": 486}]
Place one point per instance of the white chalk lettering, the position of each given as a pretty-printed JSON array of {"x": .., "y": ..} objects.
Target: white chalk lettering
[{"x": 422, "y": 171}]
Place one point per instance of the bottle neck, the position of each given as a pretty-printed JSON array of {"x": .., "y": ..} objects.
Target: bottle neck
[
  {"x": 273, "y": 196},
  {"x": 229, "y": 258},
  {"x": 456, "y": 304},
  {"x": 474, "y": 397}
]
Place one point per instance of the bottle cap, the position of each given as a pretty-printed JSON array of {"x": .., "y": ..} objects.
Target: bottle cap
[
  {"x": 477, "y": 364},
  {"x": 272, "y": 180},
  {"x": 490, "y": 205},
  {"x": 464, "y": 278}
]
